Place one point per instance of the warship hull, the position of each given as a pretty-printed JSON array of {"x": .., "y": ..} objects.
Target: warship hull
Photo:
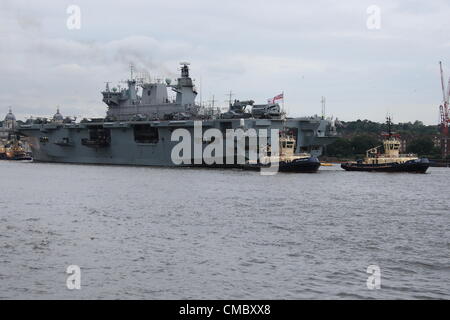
[
  {"x": 125, "y": 143},
  {"x": 413, "y": 166}
]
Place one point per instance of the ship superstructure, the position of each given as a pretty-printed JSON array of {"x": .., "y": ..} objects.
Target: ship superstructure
[{"x": 154, "y": 102}]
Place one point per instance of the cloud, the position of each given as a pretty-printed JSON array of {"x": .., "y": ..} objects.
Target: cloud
[{"x": 256, "y": 49}]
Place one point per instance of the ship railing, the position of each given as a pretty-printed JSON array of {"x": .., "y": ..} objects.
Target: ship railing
[
  {"x": 303, "y": 154},
  {"x": 407, "y": 155},
  {"x": 402, "y": 155}
]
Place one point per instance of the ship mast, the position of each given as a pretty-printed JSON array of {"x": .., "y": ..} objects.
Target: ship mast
[
  {"x": 389, "y": 124},
  {"x": 131, "y": 71},
  {"x": 230, "y": 100},
  {"x": 323, "y": 102},
  {"x": 213, "y": 101}
]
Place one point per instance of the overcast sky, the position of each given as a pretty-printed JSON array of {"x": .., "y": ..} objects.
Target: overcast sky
[{"x": 255, "y": 48}]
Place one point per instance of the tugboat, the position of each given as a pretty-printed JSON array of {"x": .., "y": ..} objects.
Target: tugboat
[
  {"x": 389, "y": 161},
  {"x": 287, "y": 160}
]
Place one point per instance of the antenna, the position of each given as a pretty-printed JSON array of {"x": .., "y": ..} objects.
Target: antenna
[
  {"x": 131, "y": 71},
  {"x": 201, "y": 91},
  {"x": 230, "y": 97},
  {"x": 213, "y": 101},
  {"x": 323, "y": 101}
]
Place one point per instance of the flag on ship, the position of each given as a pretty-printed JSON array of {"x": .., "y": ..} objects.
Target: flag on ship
[{"x": 276, "y": 98}]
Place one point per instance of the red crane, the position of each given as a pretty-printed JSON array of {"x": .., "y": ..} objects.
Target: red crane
[{"x": 444, "y": 114}]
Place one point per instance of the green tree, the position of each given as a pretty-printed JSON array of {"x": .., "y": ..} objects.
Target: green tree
[
  {"x": 361, "y": 143},
  {"x": 340, "y": 148},
  {"x": 421, "y": 146}
]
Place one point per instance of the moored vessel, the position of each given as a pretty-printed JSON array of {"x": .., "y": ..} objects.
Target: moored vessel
[
  {"x": 11, "y": 147},
  {"x": 14, "y": 150}
]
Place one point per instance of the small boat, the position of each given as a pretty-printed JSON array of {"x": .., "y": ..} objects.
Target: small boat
[
  {"x": 326, "y": 164},
  {"x": 287, "y": 160},
  {"x": 14, "y": 150},
  {"x": 390, "y": 159}
]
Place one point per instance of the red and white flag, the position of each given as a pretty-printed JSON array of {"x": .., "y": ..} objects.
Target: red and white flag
[{"x": 276, "y": 98}]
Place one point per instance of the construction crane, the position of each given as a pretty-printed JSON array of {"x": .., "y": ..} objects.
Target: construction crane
[{"x": 444, "y": 114}]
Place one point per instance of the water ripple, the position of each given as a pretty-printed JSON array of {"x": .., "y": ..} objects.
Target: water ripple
[{"x": 155, "y": 233}]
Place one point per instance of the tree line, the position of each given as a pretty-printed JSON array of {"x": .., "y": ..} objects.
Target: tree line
[{"x": 358, "y": 136}]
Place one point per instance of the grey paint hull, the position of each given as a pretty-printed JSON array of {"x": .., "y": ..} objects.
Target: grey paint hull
[{"x": 123, "y": 149}]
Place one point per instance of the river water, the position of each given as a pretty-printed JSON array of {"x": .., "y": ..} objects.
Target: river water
[{"x": 156, "y": 233}]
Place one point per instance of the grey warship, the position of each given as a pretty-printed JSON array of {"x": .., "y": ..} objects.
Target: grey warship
[{"x": 141, "y": 118}]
